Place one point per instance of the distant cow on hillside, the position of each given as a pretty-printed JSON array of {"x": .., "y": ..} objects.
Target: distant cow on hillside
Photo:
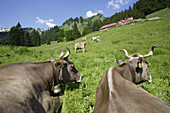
[
  {"x": 96, "y": 38},
  {"x": 104, "y": 30},
  {"x": 81, "y": 45},
  {"x": 84, "y": 39}
]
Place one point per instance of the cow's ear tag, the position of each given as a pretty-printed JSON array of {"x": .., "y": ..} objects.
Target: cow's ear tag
[
  {"x": 140, "y": 65},
  {"x": 56, "y": 65},
  {"x": 140, "y": 62}
]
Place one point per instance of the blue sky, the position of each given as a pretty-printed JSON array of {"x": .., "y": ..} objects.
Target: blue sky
[{"x": 48, "y": 13}]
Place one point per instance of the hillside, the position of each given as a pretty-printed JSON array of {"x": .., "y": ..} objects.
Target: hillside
[
  {"x": 80, "y": 98},
  {"x": 163, "y": 14},
  {"x": 82, "y": 25}
]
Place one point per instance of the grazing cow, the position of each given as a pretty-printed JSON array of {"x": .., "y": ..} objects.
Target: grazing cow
[
  {"x": 118, "y": 92},
  {"x": 84, "y": 39},
  {"x": 97, "y": 38},
  {"x": 26, "y": 87},
  {"x": 137, "y": 55},
  {"x": 81, "y": 45},
  {"x": 104, "y": 30},
  {"x": 132, "y": 24}
]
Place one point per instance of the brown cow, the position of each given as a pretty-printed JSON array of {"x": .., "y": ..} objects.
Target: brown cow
[
  {"x": 26, "y": 87},
  {"x": 118, "y": 92},
  {"x": 81, "y": 45}
]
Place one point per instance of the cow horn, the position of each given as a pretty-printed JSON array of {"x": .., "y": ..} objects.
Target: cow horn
[
  {"x": 62, "y": 53},
  {"x": 126, "y": 53},
  {"x": 150, "y": 52},
  {"x": 67, "y": 54}
]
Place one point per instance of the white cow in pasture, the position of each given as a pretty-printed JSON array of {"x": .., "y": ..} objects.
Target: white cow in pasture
[
  {"x": 96, "y": 38},
  {"x": 80, "y": 46}
]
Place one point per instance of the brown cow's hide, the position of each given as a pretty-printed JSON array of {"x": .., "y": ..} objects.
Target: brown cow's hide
[{"x": 118, "y": 95}]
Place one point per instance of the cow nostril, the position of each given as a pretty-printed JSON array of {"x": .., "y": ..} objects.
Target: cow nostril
[
  {"x": 149, "y": 78},
  {"x": 79, "y": 77}
]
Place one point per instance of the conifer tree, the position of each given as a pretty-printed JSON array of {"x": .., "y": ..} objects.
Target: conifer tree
[
  {"x": 48, "y": 41},
  {"x": 69, "y": 35},
  {"x": 81, "y": 19},
  {"x": 76, "y": 33},
  {"x": 27, "y": 39},
  {"x": 16, "y": 36},
  {"x": 35, "y": 38}
]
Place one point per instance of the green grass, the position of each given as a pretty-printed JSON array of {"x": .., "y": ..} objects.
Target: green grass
[
  {"x": 100, "y": 56},
  {"x": 163, "y": 14}
]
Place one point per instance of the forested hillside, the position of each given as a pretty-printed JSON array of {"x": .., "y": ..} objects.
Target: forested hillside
[{"x": 77, "y": 27}]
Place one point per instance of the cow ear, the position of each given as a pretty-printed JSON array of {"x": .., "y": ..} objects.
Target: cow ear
[
  {"x": 120, "y": 62},
  {"x": 140, "y": 62},
  {"x": 59, "y": 63}
]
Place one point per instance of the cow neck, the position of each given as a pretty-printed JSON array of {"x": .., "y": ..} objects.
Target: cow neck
[
  {"x": 55, "y": 74},
  {"x": 132, "y": 72}
]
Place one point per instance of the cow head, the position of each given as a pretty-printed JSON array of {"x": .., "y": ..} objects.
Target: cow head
[
  {"x": 139, "y": 67},
  {"x": 139, "y": 64},
  {"x": 65, "y": 70}
]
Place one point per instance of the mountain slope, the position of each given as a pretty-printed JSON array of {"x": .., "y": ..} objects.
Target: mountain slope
[
  {"x": 68, "y": 24},
  {"x": 163, "y": 14}
]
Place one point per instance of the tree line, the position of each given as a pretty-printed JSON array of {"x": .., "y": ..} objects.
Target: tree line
[
  {"x": 59, "y": 35},
  {"x": 140, "y": 9},
  {"x": 17, "y": 37}
]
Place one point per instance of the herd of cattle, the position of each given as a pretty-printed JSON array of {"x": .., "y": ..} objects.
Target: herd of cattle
[
  {"x": 26, "y": 87},
  {"x": 82, "y": 45}
]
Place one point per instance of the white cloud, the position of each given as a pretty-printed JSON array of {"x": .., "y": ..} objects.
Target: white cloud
[
  {"x": 115, "y": 4},
  {"x": 51, "y": 20},
  {"x": 100, "y": 11},
  {"x": 90, "y": 14},
  {"x": 47, "y": 22},
  {"x": 50, "y": 24}
]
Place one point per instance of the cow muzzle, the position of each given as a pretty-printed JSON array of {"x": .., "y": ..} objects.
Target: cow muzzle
[
  {"x": 150, "y": 78},
  {"x": 56, "y": 89},
  {"x": 79, "y": 77}
]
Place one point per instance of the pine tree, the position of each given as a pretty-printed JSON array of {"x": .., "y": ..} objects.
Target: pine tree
[
  {"x": 27, "y": 39},
  {"x": 11, "y": 38},
  {"x": 76, "y": 33},
  {"x": 16, "y": 36},
  {"x": 69, "y": 35},
  {"x": 81, "y": 19},
  {"x": 96, "y": 25},
  {"x": 48, "y": 41},
  {"x": 130, "y": 11},
  {"x": 35, "y": 38}
]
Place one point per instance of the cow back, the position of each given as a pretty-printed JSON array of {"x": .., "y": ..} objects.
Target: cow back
[{"x": 118, "y": 95}]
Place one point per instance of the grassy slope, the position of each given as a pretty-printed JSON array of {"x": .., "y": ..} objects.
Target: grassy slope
[
  {"x": 80, "y": 98},
  {"x": 163, "y": 14}
]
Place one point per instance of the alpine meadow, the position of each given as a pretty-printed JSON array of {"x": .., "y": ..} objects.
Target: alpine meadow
[{"x": 100, "y": 56}]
